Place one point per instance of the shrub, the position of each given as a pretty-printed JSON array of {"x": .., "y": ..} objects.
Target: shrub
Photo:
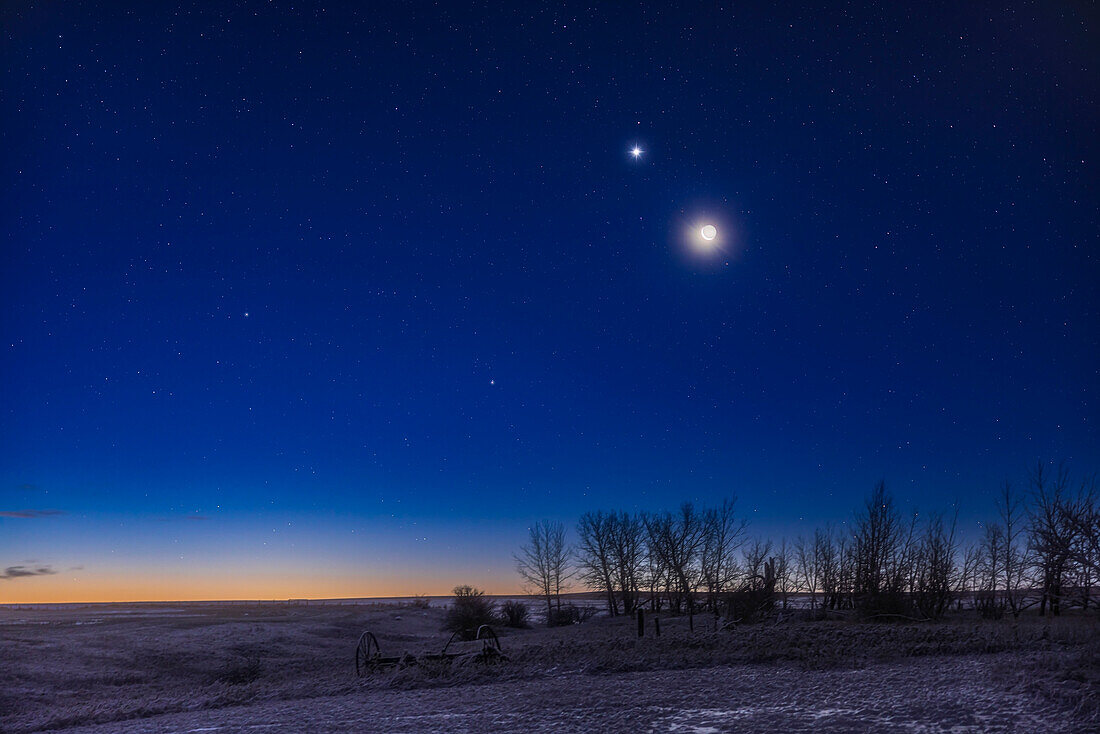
[
  {"x": 750, "y": 605},
  {"x": 420, "y": 601},
  {"x": 469, "y": 611},
  {"x": 569, "y": 614},
  {"x": 514, "y": 613},
  {"x": 987, "y": 606},
  {"x": 884, "y": 605}
]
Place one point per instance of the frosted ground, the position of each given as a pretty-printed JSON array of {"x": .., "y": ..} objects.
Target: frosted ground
[{"x": 278, "y": 667}]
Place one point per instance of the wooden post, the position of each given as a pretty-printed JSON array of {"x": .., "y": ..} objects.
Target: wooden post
[
  {"x": 657, "y": 625},
  {"x": 641, "y": 623}
]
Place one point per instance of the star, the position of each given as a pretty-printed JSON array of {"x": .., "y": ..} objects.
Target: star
[{"x": 636, "y": 152}]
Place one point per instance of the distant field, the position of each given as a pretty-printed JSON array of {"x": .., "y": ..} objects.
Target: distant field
[
  {"x": 262, "y": 666},
  {"x": 174, "y": 607}
]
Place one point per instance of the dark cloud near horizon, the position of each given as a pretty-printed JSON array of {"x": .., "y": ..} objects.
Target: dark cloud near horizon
[
  {"x": 18, "y": 572},
  {"x": 32, "y": 514}
]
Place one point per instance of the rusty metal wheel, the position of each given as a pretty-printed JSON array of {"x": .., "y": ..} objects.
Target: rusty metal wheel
[
  {"x": 490, "y": 639},
  {"x": 367, "y": 653}
]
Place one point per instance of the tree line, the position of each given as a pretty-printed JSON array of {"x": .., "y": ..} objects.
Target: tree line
[{"x": 1040, "y": 548}]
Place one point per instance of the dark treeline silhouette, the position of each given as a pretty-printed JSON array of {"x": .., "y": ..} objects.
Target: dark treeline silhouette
[{"x": 1039, "y": 549}]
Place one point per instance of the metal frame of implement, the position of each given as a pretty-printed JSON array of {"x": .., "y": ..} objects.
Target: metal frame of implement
[{"x": 369, "y": 658}]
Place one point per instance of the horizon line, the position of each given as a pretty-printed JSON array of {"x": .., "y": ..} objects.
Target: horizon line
[{"x": 279, "y": 600}]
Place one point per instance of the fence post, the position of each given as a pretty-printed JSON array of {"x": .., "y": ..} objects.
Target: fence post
[
  {"x": 641, "y": 623},
  {"x": 657, "y": 625}
]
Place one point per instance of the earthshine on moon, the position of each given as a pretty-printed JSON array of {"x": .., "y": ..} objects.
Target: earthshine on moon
[{"x": 708, "y": 232}]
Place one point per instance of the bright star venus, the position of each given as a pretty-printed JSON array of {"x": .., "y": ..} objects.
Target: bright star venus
[{"x": 636, "y": 152}]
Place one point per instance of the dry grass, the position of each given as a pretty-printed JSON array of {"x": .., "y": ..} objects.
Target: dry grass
[
  {"x": 59, "y": 673},
  {"x": 67, "y": 668}
]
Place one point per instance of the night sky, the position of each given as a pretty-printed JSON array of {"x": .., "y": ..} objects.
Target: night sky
[{"x": 336, "y": 301}]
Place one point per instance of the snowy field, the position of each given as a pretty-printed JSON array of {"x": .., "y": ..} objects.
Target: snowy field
[{"x": 279, "y": 667}]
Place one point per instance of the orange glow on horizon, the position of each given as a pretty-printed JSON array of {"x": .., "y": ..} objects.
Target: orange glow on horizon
[{"x": 227, "y": 586}]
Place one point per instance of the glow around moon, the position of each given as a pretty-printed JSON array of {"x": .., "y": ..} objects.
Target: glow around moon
[{"x": 708, "y": 236}]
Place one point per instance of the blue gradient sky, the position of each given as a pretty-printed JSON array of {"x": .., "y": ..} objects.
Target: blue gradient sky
[{"x": 335, "y": 302}]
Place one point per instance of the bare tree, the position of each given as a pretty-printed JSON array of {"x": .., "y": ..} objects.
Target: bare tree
[
  {"x": 904, "y": 563},
  {"x": 1043, "y": 548},
  {"x": 755, "y": 597},
  {"x": 966, "y": 581},
  {"x": 989, "y": 572},
  {"x": 808, "y": 567},
  {"x": 544, "y": 563},
  {"x": 1051, "y": 534},
  {"x": 655, "y": 574},
  {"x": 1083, "y": 520},
  {"x": 833, "y": 553},
  {"x": 784, "y": 570},
  {"x": 627, "y": 557},
  {"x": 846, "y": 580},
  {"x": 754, "y": 557},
  {"x": 1087, "y": 524},
  {"x": 935, "y": 568},
  {"x": 723, "y": 534},
  {"x": 677, "y": 540},
  {"x": 879, "y": 542},
  {"x": 611, "y": 555},
  {"x": 594, "y": 555},
  {"x": 1014, "y": 565}
]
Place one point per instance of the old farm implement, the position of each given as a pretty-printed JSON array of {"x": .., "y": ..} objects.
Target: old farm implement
[{"x": 369, "y": 657}]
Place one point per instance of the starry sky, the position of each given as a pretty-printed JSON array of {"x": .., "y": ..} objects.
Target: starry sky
[{"x": 321, "y": 300}]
